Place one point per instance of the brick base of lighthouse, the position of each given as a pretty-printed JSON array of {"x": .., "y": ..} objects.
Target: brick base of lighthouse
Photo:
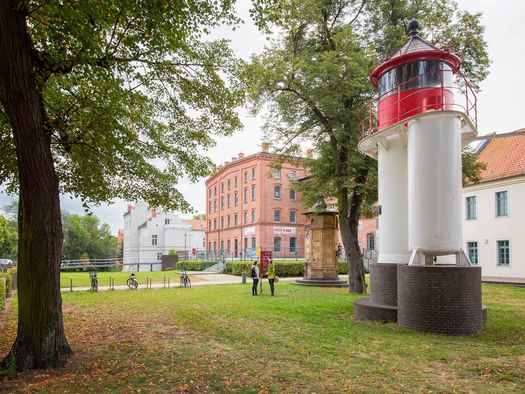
[
  {"x": 382, "y": 304},
  {"x": 439, "y": 299}
]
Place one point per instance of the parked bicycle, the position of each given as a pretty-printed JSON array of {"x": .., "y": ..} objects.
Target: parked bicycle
[
  {"x": 185, "y": 280},
  {"x": 132, "y": 282},
  {"x": 94, "y": 281}
]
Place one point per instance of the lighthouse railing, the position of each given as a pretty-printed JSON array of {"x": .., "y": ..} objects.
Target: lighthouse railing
[{"x": 410, "y": 101}]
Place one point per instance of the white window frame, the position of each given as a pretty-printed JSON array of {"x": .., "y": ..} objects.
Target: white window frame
[
  {"x": 467, "y": 247},
  {"x": 506, "y": 203},
  {"x": 497, "y": 253},
  {"x": 467, "y": 210}
]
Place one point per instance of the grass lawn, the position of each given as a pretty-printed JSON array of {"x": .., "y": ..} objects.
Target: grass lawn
[
  {"x": 81, "y": 279},
  {"x": 220, "y": 338}
]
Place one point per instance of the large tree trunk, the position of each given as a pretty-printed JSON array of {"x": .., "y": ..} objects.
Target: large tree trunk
[
  {"x": 41, "y": 341},
  {"x": 348, "y": 225}
]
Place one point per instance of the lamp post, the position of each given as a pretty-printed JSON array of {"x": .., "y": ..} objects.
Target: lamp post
[{"x": 185, "y": 236}]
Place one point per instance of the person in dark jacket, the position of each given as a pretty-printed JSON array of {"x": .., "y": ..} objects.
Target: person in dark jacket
[{"x": 254, "y": 274}]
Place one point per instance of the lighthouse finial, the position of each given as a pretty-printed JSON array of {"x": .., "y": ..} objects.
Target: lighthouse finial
[{"x": 413, "y": 28}]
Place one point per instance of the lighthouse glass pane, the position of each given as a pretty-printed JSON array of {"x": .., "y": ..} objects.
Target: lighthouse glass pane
[{"x": 415, "y": 75}]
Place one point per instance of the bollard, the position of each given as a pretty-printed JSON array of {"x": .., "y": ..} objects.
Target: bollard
[
  {"x": 70, "y": 284},
  {"x": 110, "y": 283},
  {"x": 243, "y": 277}
]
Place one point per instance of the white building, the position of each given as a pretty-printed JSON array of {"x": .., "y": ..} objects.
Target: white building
[
  {"x": 151, "y": 233},
  {"x": 494, "y": 210}
]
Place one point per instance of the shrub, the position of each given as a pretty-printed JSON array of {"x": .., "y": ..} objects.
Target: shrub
[
  {"x": 173, "y": 252},
  {"x": 2, "y": 293},
  {"x": 194, "y": 265},
  {"x": 282, "y": 268},
  {"x": 343, "y": 268},
  {"x": 8, "y": 278}
]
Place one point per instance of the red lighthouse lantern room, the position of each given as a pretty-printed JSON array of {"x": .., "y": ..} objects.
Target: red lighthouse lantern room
[{"x": 418, "y": 78}]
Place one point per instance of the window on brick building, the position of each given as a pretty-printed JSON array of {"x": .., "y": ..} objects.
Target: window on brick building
[
  {"x": 292, "y": 176},
  {"x": 253, "y": 193},
  {"x": 293, "y": 245},
  {"x": 293, "y": 217},
  {"x": 228, "y": 247},
  {"x": 236, "y": 182},
  {"x": 277, "y": 244},
  {"x": 222, "y": 187},
  {"x": 236, "y": 199},
  {"x": 222, "y": 222},
  {"x": 209, "y": 225},
  {"x": 293, "y": 194},
  {"x": 214, "y": 205},
  {"x": 253, "y": 216},
  {"x": 228, "y": 220},
  {"x": 222, "y": 202},
  {"x": 246, "y": 177},
  {"x": 229, "y": 185},
  {"x": 245, "y": 196},
  {"x": 215, "y": 224},
  {"x": 222, "y": 247},
  {"x": 370, "y": 241},
  {"x": 253, "y": 242},
  {"x": 277, "y": 173},
  {"x": 253, "y": 174},
  {"x": 235, "y": 220},
  {"x": 209, "y": 192},
  {"x": 277, "y": 192},
  {"x": 209, "y": 207},
  {"x": 229, "y": 201},
  {"x": 245, "y": 217},
  {"x": 277, "y": 216},
  {"x": 214, "y": 190}
]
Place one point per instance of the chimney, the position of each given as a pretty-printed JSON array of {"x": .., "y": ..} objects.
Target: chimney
[
  {"x": 310, "y": 153},
  {"x": 265, "y": 147},
  {"x": 129, "y": 207},
  {"x": 241, "y": 155},
  {"x": 153, "y": 213}
]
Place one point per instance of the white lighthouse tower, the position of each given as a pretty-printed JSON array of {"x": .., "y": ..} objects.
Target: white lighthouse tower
[{"x": 424, "y": 113}]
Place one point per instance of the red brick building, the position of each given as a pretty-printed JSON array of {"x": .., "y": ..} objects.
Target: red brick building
[{"x": 251, "y": 205}]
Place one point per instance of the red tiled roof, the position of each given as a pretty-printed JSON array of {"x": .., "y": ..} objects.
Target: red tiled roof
[
  {"x": 196, "y": 224},
  {"x": 505, "y": 157}
]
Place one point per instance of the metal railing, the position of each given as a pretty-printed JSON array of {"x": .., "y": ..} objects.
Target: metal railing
[{"x": 464, "y": 100}]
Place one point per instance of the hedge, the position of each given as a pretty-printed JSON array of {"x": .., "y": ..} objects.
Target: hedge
[
  {"x": 194, "y": 265},
  {"x": 2, "y": 293},
  {"x": 9, "y": 278},
  {"x": 283, "y": 268}
]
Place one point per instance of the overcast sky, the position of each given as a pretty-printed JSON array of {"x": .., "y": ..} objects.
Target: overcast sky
[{"x": 501, "y": 102}]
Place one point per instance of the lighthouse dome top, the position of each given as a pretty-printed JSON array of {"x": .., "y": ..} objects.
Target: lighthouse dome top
[{"x": 414, "y": 49}]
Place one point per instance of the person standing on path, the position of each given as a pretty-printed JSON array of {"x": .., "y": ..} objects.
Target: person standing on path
[
  {"x": 271, "y": 276},
  {"x": 254, "y": 274}
]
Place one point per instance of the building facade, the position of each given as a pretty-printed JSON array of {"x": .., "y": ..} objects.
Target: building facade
[
  {"x": 151, "y": 233},
  {"x": 250, "y": 205},
  {"x": 494, "y": 210}
]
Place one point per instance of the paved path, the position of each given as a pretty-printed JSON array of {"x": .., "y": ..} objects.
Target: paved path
[{"x": 205, "y": 280}]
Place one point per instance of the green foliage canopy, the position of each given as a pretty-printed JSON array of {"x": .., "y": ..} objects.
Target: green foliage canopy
[
  {"x": 8, "y": 238},
  {"x": 86, "y": 235},
  {"x": 134, "y": 92}
]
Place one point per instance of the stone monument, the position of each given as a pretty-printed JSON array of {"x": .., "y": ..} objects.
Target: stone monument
[{"x": 321, "y": 264}]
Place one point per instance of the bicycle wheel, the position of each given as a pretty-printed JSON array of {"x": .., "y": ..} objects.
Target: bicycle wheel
[
  {"x": 128, "y": 283},
  {"x": 188, "y": 282},
  {"x": 182, "y": 282},
  {"x": 136, "y": 284}
]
